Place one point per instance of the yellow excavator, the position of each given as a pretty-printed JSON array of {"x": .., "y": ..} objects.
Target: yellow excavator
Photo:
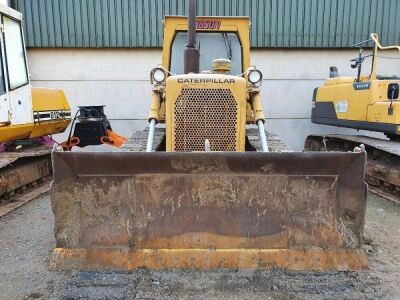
[
  {"x": 368, "y": 102},
  {"x": 205, "y": 186},
  {"x": 26, "y": 113},
  {"x": 29, "y": 114}
]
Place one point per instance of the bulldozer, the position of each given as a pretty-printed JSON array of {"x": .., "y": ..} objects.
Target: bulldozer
[{"x": 205, "y": 186}]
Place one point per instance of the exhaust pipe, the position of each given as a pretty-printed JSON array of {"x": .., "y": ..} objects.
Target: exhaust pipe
[{"x": 192, "y": 55}]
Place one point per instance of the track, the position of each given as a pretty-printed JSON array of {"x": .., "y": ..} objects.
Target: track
[
  {"x": 383, "y": 166},
  {"x": 20, "y": 198},
  {"x": 24, "y": 175},
  {"x": 137, "y": 143},
  {"x": 23, "y": 170}
]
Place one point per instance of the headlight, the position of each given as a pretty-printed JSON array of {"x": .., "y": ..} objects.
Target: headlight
[
  {"x": 255, "y": 76},
  {"x": 158, "y": 75}
]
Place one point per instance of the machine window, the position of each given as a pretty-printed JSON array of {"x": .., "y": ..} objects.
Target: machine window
[
  {"x": 2, "y": 81},
  {"x": 212, "y": 45},
  {"x": 14, "y": 46}
]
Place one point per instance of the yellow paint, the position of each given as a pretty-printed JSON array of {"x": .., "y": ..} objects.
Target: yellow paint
[
  {"x": 378, "y": 112},
  {"x": 239, "y": 25},
  {"x": 155, "y": 106},
  {"x": 48, "y": 128},
  {"x": 238, "y": 90},
  {"x": 248, "y": 109},
  {"x": 16, "y": 132},
  {"x": 317, "y": 259},
  {"x": 257, "y": 107},
  {"x": 49, "y": 99},
  {"x": 365, "y": 105},
  {"x": 42, "y": 100}
]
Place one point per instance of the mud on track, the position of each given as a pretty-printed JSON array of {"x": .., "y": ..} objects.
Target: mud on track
[{"x": 26, "y": 242}]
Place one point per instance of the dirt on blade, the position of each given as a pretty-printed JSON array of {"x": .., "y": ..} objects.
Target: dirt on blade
[{"x": 26, "y": 242}]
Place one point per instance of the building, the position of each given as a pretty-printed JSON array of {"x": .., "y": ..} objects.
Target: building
[{"x": 101, "y": 51}]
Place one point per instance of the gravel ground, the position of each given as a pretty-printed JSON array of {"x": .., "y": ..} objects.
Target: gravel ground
[{"x": 26, "y": 242}]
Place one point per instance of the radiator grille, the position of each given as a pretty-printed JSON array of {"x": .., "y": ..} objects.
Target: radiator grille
[{"x": 202, "y": 114}]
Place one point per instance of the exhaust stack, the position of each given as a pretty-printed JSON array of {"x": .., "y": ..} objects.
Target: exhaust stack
[{"x": 192, "y": 55}]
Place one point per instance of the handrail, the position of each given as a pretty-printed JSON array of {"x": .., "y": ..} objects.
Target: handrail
[
  {"x": 361, "y": 43},
  {"x": 375, "y": 39}
]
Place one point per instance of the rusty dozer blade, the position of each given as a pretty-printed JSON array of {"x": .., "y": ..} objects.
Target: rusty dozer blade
[{"x": 300, "y": 211}]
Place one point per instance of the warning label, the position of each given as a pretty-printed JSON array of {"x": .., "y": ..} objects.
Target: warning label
[{"x": 341, "y": 106}]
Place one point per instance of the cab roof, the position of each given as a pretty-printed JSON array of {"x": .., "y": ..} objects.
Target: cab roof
[
  {"x": 8, "y": 11},
  {"x": 244, "y": 21}
]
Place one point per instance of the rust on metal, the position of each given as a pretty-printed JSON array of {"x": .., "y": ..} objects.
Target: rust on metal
[
  {"x": 220, "y": 129},
  {"x": 20, "y": 168},
  {"x": 384, "y": 172},
  {"x": 167, "y": 210},
  {"x": 204, "y": 259},
  {"x": 383, "y": 165},
  {"x": 18, "y": 201},
  {"x": 8, "y": 158}
]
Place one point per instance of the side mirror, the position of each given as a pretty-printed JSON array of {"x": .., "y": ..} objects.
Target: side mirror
[{"x": 393, "y": 91}]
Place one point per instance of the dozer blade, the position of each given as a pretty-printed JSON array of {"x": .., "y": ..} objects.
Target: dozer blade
[{"x": 301, "y": 211}]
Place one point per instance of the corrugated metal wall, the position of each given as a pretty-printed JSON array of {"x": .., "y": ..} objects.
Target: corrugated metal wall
[{"x": 275, "y": 23}]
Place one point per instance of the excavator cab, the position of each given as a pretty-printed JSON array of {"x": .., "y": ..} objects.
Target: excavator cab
[
  {"x": 29, "y": 114},
  {"x": 26, "y": 112},
  {"x": 199, "y": 197}
]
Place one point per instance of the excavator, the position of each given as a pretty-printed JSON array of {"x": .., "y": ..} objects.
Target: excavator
[
  {"x": 204, "y": 186},
  {"x": 29, "y": 114},
  {"x": 368, "y": 102}
]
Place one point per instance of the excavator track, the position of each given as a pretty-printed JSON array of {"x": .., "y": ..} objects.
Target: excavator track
[
  {"x": 20, "y": 171},
  {"x": 383, "y": 164},
  {"x": 137, "y": 143}
]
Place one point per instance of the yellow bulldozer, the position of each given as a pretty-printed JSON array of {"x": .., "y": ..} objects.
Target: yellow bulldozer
[{"x": 207, "y": 188}]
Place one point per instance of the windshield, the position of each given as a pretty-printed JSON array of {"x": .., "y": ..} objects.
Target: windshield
[
  {"x": 212, "y": 45},
  {"x": 15, "y": 53}
]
